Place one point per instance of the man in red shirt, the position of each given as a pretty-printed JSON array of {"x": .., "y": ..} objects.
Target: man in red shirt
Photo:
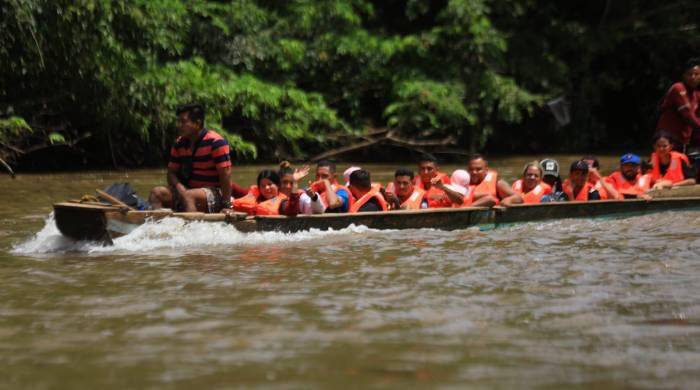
[
  {"x": 199, "y": 169},
  {"x": 679, "y": 108}
]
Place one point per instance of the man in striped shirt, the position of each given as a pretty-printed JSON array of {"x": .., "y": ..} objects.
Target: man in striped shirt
[{"x": 199, "y": 169}]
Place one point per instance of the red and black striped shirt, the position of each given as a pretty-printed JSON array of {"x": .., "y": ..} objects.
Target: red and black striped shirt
[{"x": 212, "y": 153}]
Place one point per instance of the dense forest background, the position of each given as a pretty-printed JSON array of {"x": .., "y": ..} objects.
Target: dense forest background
[{"x": 96, "y": 81}]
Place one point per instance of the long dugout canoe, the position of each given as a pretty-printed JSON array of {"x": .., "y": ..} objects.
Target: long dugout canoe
[{"x": 100, "y": 222}]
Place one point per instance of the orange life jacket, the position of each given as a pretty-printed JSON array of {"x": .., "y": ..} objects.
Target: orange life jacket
[
  {"x": 270, "y": 206},
  {"x": 372, "y": 193},
  {"x": 640, "y": 185},
  {"x": 247, "y": 203},
  {"x": 598, "y": 185},
  {"x": 674, "y": 173},
  {"x": 436, "y": 197},
  {"x": 488, "y": 185},
  {"x": 581, "y": 196},
  {"x": 413, "y": 202},
  {"x": 467, "y": 200},
  {"x": 518, "y": 187},
  {"x": 534, "y": 195}
]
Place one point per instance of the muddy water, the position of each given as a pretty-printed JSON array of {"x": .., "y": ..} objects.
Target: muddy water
[{"x": 606, "y": 303}]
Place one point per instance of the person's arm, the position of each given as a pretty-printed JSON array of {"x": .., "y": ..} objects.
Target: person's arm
[
  {"x": 503, "y": 189},
  {"x": 290, "y": 206},
  {"x": 317, "y": 206},
  {"x": 513, "y": 199},
  {"x": 333, "y": 200},
  {"x": 610, "y": 189},
  {"x": 681, "y": 103},
  {"x": 689, "y": 174},
  {"x": 455, "y": 197}
]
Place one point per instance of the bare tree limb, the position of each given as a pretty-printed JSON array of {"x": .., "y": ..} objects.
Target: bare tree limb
[
  {"x": 8, "y": 167},
  {"x": 345, "y": 149}
]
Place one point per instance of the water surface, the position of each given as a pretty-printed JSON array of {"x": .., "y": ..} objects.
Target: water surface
[{"x": 606, "y": 302}]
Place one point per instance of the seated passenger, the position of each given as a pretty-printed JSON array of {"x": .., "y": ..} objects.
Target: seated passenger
[
  {"x": 669, "y": 169},
  {"x": 366, "y": 197},
  {"x": 577, "y": 187},
  {"x": 401, "y": 194},
  {"x": 199, "y": 169},
  {"x": 428, "y": 174},
  {"x": 485, "y": 185},
  {"x": 596, "y": 179},
  {"x": 629, "y": 182},
  {"x": 550, "y": 176},
  {"x": 269, "y": 200},
  {"x": 530, "y": 189},
  {"x": 335, "y": 197},
  {"x": 346, "y": 174},
  {"x": 309, "y": 201},
  {"x": 458, "y": 190}
]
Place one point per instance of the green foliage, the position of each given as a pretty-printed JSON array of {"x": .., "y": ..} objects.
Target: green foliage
[
  {"x": 278, "y": 78},
  {"x": 13, "y": 128}
]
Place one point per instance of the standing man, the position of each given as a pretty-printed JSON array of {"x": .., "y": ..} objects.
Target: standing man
[
  {"x": 199, "y": 170},
  {"x": 678, "y": 112}
]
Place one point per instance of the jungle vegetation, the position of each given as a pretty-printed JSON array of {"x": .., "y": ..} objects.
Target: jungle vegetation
[{"x": 95, "y": 82}]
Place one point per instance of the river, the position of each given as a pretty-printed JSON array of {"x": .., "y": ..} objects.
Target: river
[{"x": 571, "y": 303}]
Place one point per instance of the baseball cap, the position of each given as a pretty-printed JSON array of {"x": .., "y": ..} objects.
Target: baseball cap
[
  {"x": 549, "y": 167},
  {"x": 630, "y": 158},
  {"x": 579, "y": 165}
]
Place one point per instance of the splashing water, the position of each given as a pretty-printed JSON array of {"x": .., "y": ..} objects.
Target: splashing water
[{"x": 169, "y": 233}]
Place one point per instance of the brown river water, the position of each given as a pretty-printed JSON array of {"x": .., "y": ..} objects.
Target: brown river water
[{"x": 572, "y": 303}]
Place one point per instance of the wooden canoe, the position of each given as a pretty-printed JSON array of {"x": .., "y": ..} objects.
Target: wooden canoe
[{"x": 100, "y": 222}]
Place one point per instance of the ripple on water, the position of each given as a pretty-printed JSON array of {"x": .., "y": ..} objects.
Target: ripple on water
[{"x": 593, "y": 302}]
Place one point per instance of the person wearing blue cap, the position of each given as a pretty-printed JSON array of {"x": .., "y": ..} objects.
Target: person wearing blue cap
[{"x": 629, "y": 182}]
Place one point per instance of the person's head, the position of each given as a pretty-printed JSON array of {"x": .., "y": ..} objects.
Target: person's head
[
  {"x": 663, "y": 144},
  {"x": 578, "y": 173},
  {"x": 532, "y": 176},
  {"x": 286, "y": 175},
  {"x": 427, "y": 167},
  {"x": 348, "y": 172},
  {"x": 691, "y": 73},
  {"x": 403, "y": 182},
  {"x": 190, "y": 119},
  {"x": 268, "y": 183},
  {"x": 360, "y": 183},
  {"x": 477, "y": 168},
  {"x": 630, "y": 165},
  {"x": 550, "y": 171},
  {"x": 325, "y": 170},
  {"x": 461, "y": 178}
]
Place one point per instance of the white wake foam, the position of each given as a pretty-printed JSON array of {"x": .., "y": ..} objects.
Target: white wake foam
[
  {"x": 168, "y": 233},
  {"x": 50, "y": 240}
]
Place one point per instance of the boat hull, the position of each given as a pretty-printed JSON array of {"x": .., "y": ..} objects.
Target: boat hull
[{"x": 104, "y": 223}]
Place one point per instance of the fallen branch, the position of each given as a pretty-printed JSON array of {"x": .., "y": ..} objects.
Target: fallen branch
[
  {"x": 8, "y": 167},
  {"x": 387, "y": 136},
  {"x": 345, "y": 149}
]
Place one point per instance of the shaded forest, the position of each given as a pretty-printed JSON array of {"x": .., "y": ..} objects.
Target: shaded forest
[{"x": 94, "y": 83}]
